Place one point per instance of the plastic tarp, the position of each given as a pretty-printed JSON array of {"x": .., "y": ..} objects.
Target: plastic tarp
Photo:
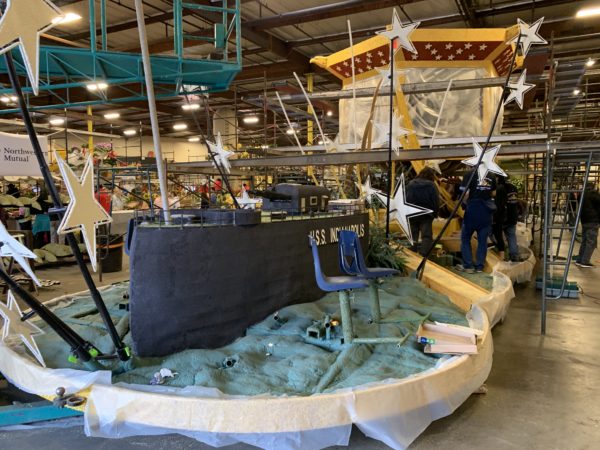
[
  {"x": 393, "y": 411},
  {"x": 497, "y": 302},
  {"x": 463, "y": 113},
  {"x": 524, "y": 235},
  {"x": 520, "y": 272}
]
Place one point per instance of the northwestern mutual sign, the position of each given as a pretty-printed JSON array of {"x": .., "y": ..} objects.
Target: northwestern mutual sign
[{"x": 17, "y": 157}]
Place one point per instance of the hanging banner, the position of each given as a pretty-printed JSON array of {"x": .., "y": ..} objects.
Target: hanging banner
[{"x": 17, "y": 157}]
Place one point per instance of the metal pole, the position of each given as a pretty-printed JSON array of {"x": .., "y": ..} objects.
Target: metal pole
[
  {"x": 389, "y": 173},
  {"x": 92, "y": 8},
  {"x": 547, "y": 203},
  {"x": 139, "y": 9},
  {"x": 103, "y": 24},
  {"x": 178, "y": 32},
  {"x": 83, "y": 350}
]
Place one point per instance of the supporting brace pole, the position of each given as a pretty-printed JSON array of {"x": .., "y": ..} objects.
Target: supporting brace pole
[
  {"x": 162, "y": 179},
  {"x": 122, "y": 350},
  {"x": 82, "y": 349}
]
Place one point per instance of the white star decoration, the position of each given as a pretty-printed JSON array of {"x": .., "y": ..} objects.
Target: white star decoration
[
  {"x": 22, "y": 24},
  {"x": 519, "y": 89},
  {"x": 366, "y": 191},
  {"x": 487, "y": 163},
  {"x": 383, "y": 129},
  {"x": 12, "y": 248},
  {"x": 220, "y": 154},
  {"x": 84, "y": 212},
  {"x": 400, "y": 210},
  {"x": 401, "y": 32},
  {"x": 14, "y": 325},
  {"x": 529, "y": 35}
]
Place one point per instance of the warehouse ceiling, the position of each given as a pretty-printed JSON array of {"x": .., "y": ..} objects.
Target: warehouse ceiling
[{"x": 279, "y": 37}]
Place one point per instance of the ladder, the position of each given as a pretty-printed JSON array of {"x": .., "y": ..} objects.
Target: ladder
[{"x": 566, "y": 178}]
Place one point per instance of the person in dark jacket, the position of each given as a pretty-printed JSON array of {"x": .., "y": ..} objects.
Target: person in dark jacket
[
  {"x": 479, "y": 210},
  {"x": 505, "y": 218},
  {"x": 423, "y": 192},
  {"x": 590, "y": 220}
]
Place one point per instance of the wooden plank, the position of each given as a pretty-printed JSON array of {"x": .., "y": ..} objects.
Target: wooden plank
[{"x": 462, "y": 292}]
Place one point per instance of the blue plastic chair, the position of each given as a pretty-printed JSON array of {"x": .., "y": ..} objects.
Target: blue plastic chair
[
  {"x": 352, "y": 262},
  {"x": 343, "y": 285},
  {"x": 333, "y": 284}
]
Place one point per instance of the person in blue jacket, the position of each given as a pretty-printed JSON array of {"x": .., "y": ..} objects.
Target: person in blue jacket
[
  {"x": 422, "y": 191},
  {"x": 480, "y": 207}
]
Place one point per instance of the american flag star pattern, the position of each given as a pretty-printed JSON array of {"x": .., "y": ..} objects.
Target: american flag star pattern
[{"x": 438, "y": 51}]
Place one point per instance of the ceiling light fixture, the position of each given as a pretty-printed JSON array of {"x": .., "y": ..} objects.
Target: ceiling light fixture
[
  {"x": 57, "y": 121},
  {"x": 111, "y": 116},
  {"x": 588, "y": 12},
  {"x": 190, "y": 107},
  {"x": 4, "y": 99},
  {"x": 329, "y": 113},
  {"x": 290, "y": 131},
  {"x": 180, "y": 127},
  {"x": 13, "y": 98},
  {"x": 98, "y": 86},
  {"x": 194, "y": 139},
  {"x": 590, "y": 62},
  {"x": 250, "y": 119},
  {"x": 66, "y": 18},
  {"x": 129, "y": 132},
  {"x": 576, "y": 91}
]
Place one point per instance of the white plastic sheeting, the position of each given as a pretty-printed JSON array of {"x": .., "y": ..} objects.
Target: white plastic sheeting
[
  {"x": 520, "y": 272},
  {"x": 393, "y": 411},
  {"x": 497, "y": 302},
  {"x": 463, "y": 113},
  {"x": 524, "y": 235}
]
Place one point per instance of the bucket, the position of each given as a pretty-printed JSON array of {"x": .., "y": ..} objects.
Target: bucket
[{"x": 111, "y": 258}]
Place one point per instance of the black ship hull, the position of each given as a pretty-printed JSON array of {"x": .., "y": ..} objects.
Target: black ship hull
[{"x": 202, "y": 286}]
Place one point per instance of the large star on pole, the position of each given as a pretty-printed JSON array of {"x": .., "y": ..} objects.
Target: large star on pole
[
  {"x": 401, "y": 33},
  {"x": 383, "y": 133},
  {"x": 219, "y": 153},
  {"x": 529, "y": 35},
  {"x": 84, "y": 212},
  {"x": 402, "y": 211},
  {"x": 13, "y": 325},
  {"x": 487, "y": 162},
  {"x": 11, "y": 248},
  {"x": 21, "y": 25},
  {"x": 519, "y": 89}
]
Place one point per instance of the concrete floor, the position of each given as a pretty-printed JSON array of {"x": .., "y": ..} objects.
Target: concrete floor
[{"x": 544, "y": 391}]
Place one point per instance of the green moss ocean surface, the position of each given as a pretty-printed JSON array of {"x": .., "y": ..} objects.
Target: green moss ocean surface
[{"x": 275, "y": 357}]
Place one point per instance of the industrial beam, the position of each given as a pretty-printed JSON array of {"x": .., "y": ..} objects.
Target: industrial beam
[
  {"x": 378, "y": 156},
  {"x": 322, "y": 12}
]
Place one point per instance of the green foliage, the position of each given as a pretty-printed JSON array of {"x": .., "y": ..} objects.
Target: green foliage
[
  {"x": 382, "y": 253},
  {"x": 519, "y": 183}
]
